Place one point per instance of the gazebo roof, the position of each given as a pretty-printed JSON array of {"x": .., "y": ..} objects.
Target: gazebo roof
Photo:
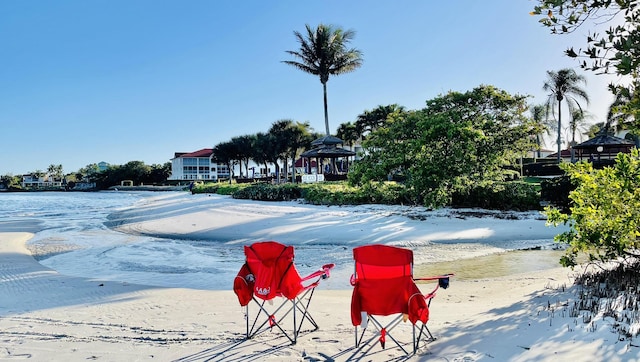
[
  {"x": 327, "y": 141},
  {"x": 604, "y": 140},
  {"x": 328, "y": 152}
]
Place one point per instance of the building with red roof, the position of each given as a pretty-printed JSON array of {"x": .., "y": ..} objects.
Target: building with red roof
[{"x": 198, "y": 165}]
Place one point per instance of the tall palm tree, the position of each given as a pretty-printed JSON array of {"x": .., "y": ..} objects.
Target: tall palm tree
[
  {"x": 564, "y": 85},
  {"x": 227, "y": 153},
  {"x": 616, "y": 117},
  {"x": 348, "y": 133},
  {"x": 578, "y": 122},
  {"x": 323, "y": 52},
  {"x": 243, "y": 145},
  {"x": 371, "y": 120},
  {"x": 543, "y": 123},
  {"x": 293, "y": 137}
]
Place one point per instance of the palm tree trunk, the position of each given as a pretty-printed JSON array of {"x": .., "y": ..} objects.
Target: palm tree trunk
[
  {"x": 559, "y": 131},
  {"x": 293, "y": 168},
  {"x": 573, "y": 143},
  {"x": 326, "y": 112}
]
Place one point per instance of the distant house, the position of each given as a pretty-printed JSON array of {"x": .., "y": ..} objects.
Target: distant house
[
  {"x": 41, "y": 181},
  {"x": 103, "y": 166}
]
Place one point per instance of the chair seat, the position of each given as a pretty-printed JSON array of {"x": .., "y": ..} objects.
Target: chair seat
[{"x": 386, "y": 297}]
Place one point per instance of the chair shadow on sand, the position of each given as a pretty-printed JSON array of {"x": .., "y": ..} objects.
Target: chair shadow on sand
[
  {"x": 236, "y": 350},
  {"x": 240, "y": 349}
]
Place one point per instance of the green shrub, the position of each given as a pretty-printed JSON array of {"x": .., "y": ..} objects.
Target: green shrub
[
  {"x": 341, "y": 193},
  {"x": 268, "y": 192},
  {"x": 504, "y": 195},
  {"x": 219, "y": 188},
  {"x": 205, "y": 188},
  {"x": 230, "y": 189},
  {"x": 335, "y": 193},
  {"x": 556, "y": 191}
]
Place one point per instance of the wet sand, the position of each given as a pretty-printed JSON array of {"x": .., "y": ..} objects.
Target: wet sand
[{"x": 495, "y": 265}]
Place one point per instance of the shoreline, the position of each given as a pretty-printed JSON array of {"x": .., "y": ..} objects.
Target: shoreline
[{"x": 464, "y": 238}]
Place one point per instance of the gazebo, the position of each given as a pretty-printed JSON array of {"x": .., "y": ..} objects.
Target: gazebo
[
  {"x": 602, "y": 149},
  {"x": 327, "y": 148}
]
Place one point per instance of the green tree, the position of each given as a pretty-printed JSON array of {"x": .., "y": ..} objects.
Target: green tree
[
  {"x": 615, "y": 51},
  {"x": 628, "y": 104},
  {"x": 136, "y": 171},
  {"x": 289, "y": 139},
  {"x": 10, "y": 181},
  {"x": 458, "y": 140},
  {"x": 226, "y": 153},
  {"x": 617, "y": 118},
  {"x": 158, "y": 174},
  {"x": 323, "y": 52},
  {"x": 298, "y": 138},
  {"x": 578, "y": 123},
  {"x": 243, "y": 145},
  {"x": 55, "y": 171},
  {"x": 261, "y": 149},
  {"x": 370, "y": 120},
  {"x": 89, "y": 172},
  {"x": 564, "y": 85},
  {"x": 38, "y": 173},
  {"x": 604, "y": 218},
  {"x": 540, "y": 117},
  {"x": 348, "y": 133}
]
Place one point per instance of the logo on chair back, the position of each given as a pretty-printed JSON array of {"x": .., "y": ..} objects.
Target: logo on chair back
[{"x": 263, "y": 291}]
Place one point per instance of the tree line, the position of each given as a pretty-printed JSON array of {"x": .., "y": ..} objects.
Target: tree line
[{"x": 136, "y": 171}]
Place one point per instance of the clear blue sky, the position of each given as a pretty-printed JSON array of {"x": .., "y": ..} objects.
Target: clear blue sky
[{"x": 137, "y": 80}]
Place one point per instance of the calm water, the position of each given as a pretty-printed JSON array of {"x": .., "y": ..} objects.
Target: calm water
[{"x": 70, "y": 228}]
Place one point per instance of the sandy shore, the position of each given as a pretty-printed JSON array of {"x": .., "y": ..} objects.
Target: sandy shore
[{"x": 46, "y": 316}]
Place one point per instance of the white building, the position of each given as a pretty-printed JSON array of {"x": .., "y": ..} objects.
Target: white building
[
  {"x": 44, "y": 181},
  {"x": 197, "y": 165}
]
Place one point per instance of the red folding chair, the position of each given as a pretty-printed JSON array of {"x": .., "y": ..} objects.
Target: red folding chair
[
  {"x": 267, "y": 274},
  {"x": 384, "y": 286}
]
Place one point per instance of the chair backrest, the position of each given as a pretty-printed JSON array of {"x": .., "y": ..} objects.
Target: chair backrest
[
  {"x": 382, "y": 262},
  {"x": 271, "y": 264}
]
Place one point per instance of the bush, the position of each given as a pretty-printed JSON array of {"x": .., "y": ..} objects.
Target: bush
[
  {"x": 341, "y": 193},
  {"x": 205, "y": 188},
  {"x": 229, "y": 189},
  {"x": 268, "y": 192},
  {"x": 556, "y": 191},
  {"x": 513, "y": 195},
  {"x": 604, "y": 215}
]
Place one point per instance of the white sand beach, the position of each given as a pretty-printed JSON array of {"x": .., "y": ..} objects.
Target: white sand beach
[{"x": 48, "y": 316}]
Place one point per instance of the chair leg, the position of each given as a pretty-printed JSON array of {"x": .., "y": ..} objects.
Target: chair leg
[
  {"x": 299, "y": 308},
  {"x": 246, "y": 317},
  {"x": 424, "y": 331},
  {"x": 379, "y": 327},
  {"x": 255, "y": 330},
  {"x": 304, "y": 308}
]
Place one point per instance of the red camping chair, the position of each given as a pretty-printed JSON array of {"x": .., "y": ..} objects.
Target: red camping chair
[
  {"x": 269, "y": 273},
  {"x": 384, "y": 286}
]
